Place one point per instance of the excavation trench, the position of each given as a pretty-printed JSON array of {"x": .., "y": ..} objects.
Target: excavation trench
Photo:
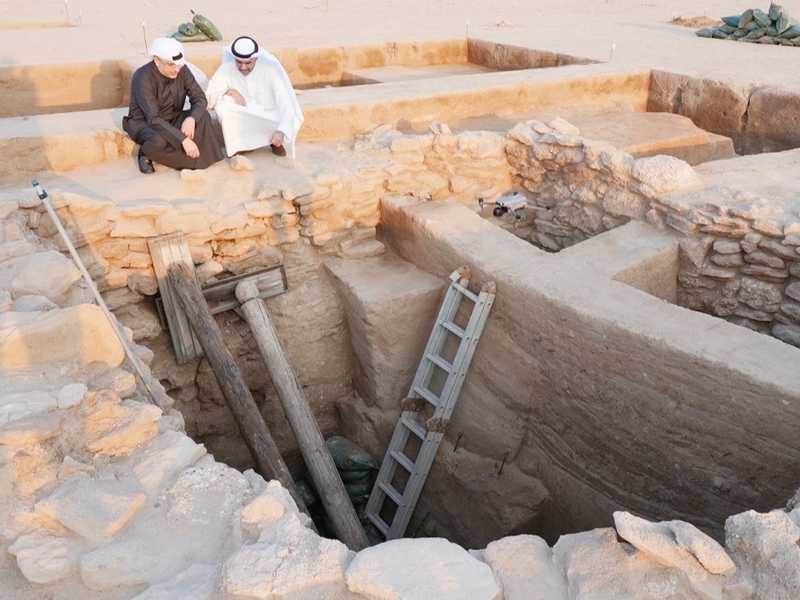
[{"x": 588, "y": 392}]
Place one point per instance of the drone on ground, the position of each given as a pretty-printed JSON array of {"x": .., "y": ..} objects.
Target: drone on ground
[{"x": 513, "y": 203}]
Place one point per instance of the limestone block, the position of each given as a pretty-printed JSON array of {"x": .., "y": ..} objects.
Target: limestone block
[
  {"x": 133, "y": 560},
  {"x": 134, "y": 227},
  {"x": 760, "y": 295},
  {"x": 43, "y": 558},
  {"x": 523, "y": 565},
  {"x": 300, "y": 186},
  {"x": 289, "y": 561},
  {"x": 71, "y": 395},
  {"x": 75, "y": 335},
  {"x": 141, "y": 318},
  {"x": 161, "y": 460},
  {"x": 420, "y": 569},
  {"x": 764, "y": 546},
  {"x": 151, "y": 209},
  {"x": 623, "y": 203},
  {"x": 115, "y": 428},
  {"x": 188, "y": 218},
  {"x": 114, "y": 279},
  {"x": 94, "y": 509},
  {"x": 261, "y": 258},
  {"x": 661, "y": 541},
  {"x": 19, "y": 405},
  {"x": 728, "y": 260},
  {"x": 143, "y": 282},
  {"x": 597, "y": 566},
  {"x": 664, "y": 174},
  {"x": 120, "y": 381},
  {"x": 33, "y": 303},
  {"x": 383, "y": 296},
  {"x": 47, "y": 274},
  {"x": 234, "y": 220},
  {"x": 770, "y": 111},
  {"x": 763, "y": 258},
  {"x": 198, "y": 582},
  {"x": 31, "y": 430},
  {"x": 8, "y": 207},
  {"x": 563, "y": 126},
  {"x": 15, "y": 249},
  {"x": 234, "y": 248},
  {"x": 787, "y": 333},
  {"x": 263, "y": 511}
]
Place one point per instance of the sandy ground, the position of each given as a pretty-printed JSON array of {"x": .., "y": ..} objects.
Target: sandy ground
[{"x": 639, "y": 29}]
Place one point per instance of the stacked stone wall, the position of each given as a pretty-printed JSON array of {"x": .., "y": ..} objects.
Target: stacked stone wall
[{"x": 738, "y": 260}]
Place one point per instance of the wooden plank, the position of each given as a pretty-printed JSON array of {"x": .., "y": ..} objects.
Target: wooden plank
[
  {"x": 165, "y": 251},
  {"x": 298, "y": 412},
  {"x": 251, "y": 423}
]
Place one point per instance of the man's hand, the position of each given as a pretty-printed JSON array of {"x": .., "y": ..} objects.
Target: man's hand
[
  {"x": 187, "y": 127},
  {"x": 191, "y": 149},
  {"x": 278, "y": 138},
  {"x": 236, "y": 97}
]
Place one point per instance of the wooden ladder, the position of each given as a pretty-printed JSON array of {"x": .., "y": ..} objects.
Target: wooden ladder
[{"x": 421, "y": 399}]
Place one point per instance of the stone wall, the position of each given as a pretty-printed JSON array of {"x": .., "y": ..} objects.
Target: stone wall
[
  {"x": 293, "y": 221},
  {"x": 740, "y": 257}
]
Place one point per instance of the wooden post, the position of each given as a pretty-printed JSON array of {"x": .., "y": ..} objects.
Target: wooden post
[
  {"x": 298, "y": 412},
  {"x": 251, "y": 424}
]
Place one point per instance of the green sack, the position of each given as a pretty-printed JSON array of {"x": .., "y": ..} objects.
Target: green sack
[
  {"x": 306, "y": 492},
  {"x": 752, "y": 26},
  {"x": 761, "y": 18},
  {"x": 348, "y": 456},
  {"x": 200, "y": 37},
  {"x": 727, "y": 29},
  {"x": 757, "y": 34},
  {"x": 784, "y": 24},
  {"x": 791, "y": 33},
  {"x": 739, "y": 33},
  {"x": 720, "y": 35},
  {"x": 732, "y": 21},
  {"x": 775, "y": 11},
  {"x": 746, "y": 18},
  {"x": 188, "y": 29},
  {"x": 205, "y": 25},
  {"x": 356, "y": 476},
  {"x": 772, "y": 32},
  {"x": 704, "y": 33}
]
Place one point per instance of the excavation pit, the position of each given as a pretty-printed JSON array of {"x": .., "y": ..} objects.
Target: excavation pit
[{"x": 593, "y": 389}]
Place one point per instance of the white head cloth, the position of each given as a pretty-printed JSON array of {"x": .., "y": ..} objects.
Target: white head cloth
[
  {"x": 168, "y": 49},
  {"x": 244, "y": 47}
]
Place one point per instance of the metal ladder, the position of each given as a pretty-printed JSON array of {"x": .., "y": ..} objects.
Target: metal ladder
[{"x": 420, "y": 398}]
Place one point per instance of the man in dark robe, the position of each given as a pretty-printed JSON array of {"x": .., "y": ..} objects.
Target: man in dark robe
[{"x": 167, "y": 134}]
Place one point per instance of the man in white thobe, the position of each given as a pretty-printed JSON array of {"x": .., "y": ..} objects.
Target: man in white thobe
[{"x": 254, "y": 100}]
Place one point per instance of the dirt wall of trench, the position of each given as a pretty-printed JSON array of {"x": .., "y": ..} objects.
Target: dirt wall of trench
[{"x": 596, "y": 397}]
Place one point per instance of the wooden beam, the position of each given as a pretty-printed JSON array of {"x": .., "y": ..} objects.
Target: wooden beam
[
  {"x": 317, "y": 458},
  {"x": 251, "y": 424}
]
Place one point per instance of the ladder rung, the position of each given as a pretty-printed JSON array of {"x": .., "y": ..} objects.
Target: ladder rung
[
  {"x": 453, "y": 328},
  {"x": 465, "y": 291},
  {"x": 379, "y": 523},
  {"x": 396, "y": 496},
  {"x": 402, "y": 460},
  {"x": 428, "y": 395},
  {"x": 415, "y": 427},
  {"x": 440, "y": 362}
]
